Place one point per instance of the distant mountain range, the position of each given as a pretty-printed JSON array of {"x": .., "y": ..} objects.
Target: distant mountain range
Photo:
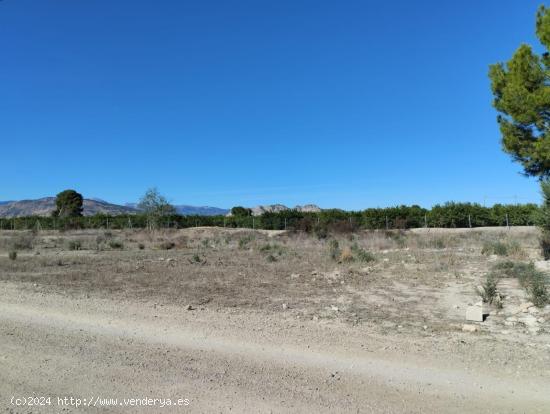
[
  {"x": 45, "y": 206},
  {"x": 186, "y": 210}
]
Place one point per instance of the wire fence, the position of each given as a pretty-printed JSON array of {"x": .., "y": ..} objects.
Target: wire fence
[{"x": 448, "y": 216}]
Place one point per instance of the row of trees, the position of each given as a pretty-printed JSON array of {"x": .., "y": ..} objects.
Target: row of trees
[{"x": 400, "y": 217}]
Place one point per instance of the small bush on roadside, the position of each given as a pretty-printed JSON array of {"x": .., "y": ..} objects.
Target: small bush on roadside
[
  {"x": 115, "y": 244},
  {"x": 12, "y": 255}
]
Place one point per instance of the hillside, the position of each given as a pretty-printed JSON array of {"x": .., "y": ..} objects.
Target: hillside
[{"x": 44, "y": 207}]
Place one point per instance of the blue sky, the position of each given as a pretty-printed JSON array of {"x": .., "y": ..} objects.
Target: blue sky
[{"x": 349, "y": 104}]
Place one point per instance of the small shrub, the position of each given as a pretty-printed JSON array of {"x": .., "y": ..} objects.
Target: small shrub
[
  {"x": 75, "y": 245},
  {"x": 489, "y": 291},
  {"x": 334, "y": 249},
  {"x": 244, "y": 241},
  {"x": 495, "y": 247},
  {"x": 532, "y": 280},
  {"x": 23, "y": 241},
  {"x": 166, "y": 245},
  {"x": 439, "y": 243},
  {"x": 265, "y": 247},
  {"x": 115, "y": 244},
  {"x": 545, "y": 244},
  {"x": 12, "y": 255},
  {"x": 321, "y": 232},
  {"x": 538, "y": 292},
  {"x": 346, "y": 255},
  {"x": 270, "y": 258},
  {"x": 141, "y": 246},
  {"x": 197, "y": 258},
  {"x": 398, "y": 236},
  {"x": 362, "y": 255}
]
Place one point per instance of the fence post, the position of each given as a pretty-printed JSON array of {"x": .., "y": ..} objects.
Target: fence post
[
  {"x": 285, "y": 223},
  {"x": 507, "y": 222},
  {"x": 387, "y": 226},
  {"x": 469, "y": 220}
]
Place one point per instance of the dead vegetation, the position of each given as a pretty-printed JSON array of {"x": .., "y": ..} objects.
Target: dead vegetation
[{"x": 389, "y": 277}]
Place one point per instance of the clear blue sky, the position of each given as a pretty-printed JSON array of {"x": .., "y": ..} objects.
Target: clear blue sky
[{"x": 349, "y": 104}]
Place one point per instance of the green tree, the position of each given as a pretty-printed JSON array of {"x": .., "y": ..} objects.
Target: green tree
[
  {"x": 155, "y": 204},
  {"x": 544, "y": 220},
  {"x": 521, "y": 89},
  {"x": 239, "y": 211},
  {"x": 68, "y": 203}
]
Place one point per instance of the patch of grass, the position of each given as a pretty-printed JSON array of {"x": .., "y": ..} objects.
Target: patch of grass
[
  {"x": 272, "y": 248},
  {"x": 439, "y": 243},
  {"x": 494, "y": 247},
  {"x": 12, "y": 255},
  {"x": 361, "y": 254},
  {"x": 244, "y": 241},
  {"x": 117, "y": 245},
  {"x": 75, "y": 245},
  {"x": 532, "y": 280},
  {"x": 270, "y": 258},
  {"x": 24, "y": 241},
  {"x": 398, "y": 236},
  {"x": 499, "y": 248}
]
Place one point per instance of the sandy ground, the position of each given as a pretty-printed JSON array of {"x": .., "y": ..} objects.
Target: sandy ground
[{"x": 64, "y": 335}]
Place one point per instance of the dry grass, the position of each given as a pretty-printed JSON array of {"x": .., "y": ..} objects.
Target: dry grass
[{"x": 374, "y": 275}]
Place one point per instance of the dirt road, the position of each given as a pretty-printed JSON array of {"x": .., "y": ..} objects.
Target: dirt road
[{"x": 221, "y": 361}]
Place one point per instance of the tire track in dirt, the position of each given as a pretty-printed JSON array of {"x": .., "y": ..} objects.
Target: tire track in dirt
[{"x": 398, "y": 374}]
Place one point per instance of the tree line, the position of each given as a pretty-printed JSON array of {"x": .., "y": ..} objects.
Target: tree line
[{"x": 449, "y": 215}]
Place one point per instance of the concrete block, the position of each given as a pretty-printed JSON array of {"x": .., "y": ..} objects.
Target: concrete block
[{"x": 476, "y": 312}]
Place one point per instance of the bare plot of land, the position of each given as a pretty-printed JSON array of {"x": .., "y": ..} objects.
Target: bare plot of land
[{"x": 271, "y": 321}]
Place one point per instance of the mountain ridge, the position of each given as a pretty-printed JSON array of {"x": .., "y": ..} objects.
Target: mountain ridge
[{"x": 45, "y": 205}]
